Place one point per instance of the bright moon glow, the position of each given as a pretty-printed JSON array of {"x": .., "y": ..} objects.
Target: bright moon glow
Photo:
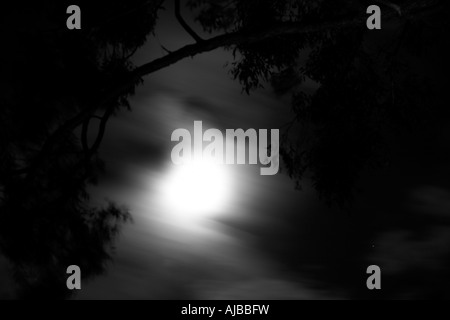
[{"x": 197, "y": 189}]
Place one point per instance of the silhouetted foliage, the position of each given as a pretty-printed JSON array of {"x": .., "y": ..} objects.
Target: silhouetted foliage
[
  {"x": 368, "y": 85},
  {"x": 48, "y": 75}
]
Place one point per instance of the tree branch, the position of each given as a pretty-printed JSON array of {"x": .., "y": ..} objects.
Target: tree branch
[
  {"x": 130, "y": 54},
  {"x": 84, "y": 141},
  {"x": 101, "y": 131},
  {"x": 166, "y": 50},
  {"x": 412, "y": 9},
  {"x": 391, "y": 5},
  {"x": 90, "y": 151},
  {"x": 184, "y": 24}
]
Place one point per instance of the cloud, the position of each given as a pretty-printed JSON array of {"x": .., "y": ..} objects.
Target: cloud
[
  {"x": 431, "y": 200},
  {"x": 419, "y": 252}
]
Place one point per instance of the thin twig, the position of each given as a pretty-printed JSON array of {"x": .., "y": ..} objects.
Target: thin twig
[{"x": 183, "y": 23}]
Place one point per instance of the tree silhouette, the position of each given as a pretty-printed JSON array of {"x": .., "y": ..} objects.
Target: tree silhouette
[
  {"x": 57, "y": 83},
  {"x": 50, "y": 74}
]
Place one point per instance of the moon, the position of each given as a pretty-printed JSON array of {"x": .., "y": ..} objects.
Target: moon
[{"x": 197, "y": 189}]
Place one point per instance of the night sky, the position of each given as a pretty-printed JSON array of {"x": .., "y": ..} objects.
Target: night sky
[
  {"x": 268, "y": 240},
  {"x": 271, "y": 241}
]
